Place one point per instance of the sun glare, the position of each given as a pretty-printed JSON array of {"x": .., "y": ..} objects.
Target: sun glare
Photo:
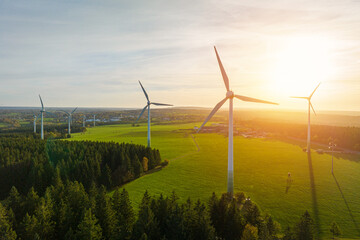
[{"x": 301, "y": 63}]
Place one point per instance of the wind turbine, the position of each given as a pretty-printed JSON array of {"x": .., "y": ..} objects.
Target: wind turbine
[
  {"x": 309, "y": 105},
  {"x": 94, "y": 119},
  {"x": 148, "y": 107},
  {"x": 35, "y": 118},
  {"x": 42, "y": 117},
  {"x": 69, "y": 114},
  {"x": 84, "y": 120},
  {"x": 229, "y": 96}
]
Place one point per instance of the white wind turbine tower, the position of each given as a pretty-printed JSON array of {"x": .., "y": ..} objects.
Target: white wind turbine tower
[
  {"x": 69, "y": 114},
  {"x": 35, "y": 118},
  {"x": 229, "y": 95},
  {"x": 94, "y": 119},
  {"x": 42, "y": 117},
  {"x": 84, "y": 120},
  {"x": 148, "y": 107},
  {"x": 308, "y": 148}
]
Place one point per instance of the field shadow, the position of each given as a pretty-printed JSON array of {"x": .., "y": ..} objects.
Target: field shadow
[
  {"x": 314, "y": 196},
  {"x": 288, "y": 184},
  {"x": 347, "y": 205}
]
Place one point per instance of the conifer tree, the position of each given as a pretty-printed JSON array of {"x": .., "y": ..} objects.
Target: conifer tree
[
  {"x": 250, "y": 233},
  {"x": 146, "y": 224},
  {"x": 105, "y": 213},
  {"x": 124, "y": 213},
  {"x": 89, "y": 229},
  {"x": 6, "y": 229},
  {"x": 305, "y": 227},
  {"x": 31, "y": 201},
  {"x": 29, "y": 227},
  {"x": 45, "y": 225}
]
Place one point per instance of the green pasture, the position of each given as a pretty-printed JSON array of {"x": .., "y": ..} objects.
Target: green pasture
[{"x": 261, "y": 171}]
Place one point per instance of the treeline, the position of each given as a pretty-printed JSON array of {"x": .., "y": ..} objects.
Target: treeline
[
  {"x": 67, "y": 211},
  {"x": 50, "y": 131},
  {"x": 26, "y": 162},
  {"x": 345, "y": 137}
]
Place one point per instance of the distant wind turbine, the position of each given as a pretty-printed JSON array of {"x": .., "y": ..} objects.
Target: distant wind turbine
[
  {"x": 309, "y": 105},
  {"x": 229, "y": 95},
  {"x": 69, "y": 114},
  {"x": 94, "y": 119},
  {"x": 148, "y": 107},
  {"x": 42, "y": 111},
  {"x": 84, "y": 120},
  {"x": 35, "y": 118}
]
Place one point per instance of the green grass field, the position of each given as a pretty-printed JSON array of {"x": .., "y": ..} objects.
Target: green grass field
[{"x": 261, "y": 168}]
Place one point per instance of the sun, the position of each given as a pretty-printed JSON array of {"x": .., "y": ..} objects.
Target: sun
[{"x": 301, "y": 63}]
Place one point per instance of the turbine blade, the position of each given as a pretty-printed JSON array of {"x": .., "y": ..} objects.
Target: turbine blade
[
  {"x": 314, "y": 91},
  {"x": 216, "y": 108},
  {"x": 249, "y": 99},
  {"x": 141, "y": 113},
  {"x": 223, "y": 73},
  {"x": 65, "y": 112},
  {"x": 147, "y": 97},
  {"x": 313, "y": 108},
  {"x": 74, "y": 110},
  {"x": 161, "y": 104},
  {"x": 50, "y": 113},
  {"x": 42, "y": 104},
  {"x": 301, "y": 97}
]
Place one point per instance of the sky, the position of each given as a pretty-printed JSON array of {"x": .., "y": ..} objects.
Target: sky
[{"x": 93, "y": 53}]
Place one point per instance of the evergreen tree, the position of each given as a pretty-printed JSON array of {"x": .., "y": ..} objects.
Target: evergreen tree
[
  {"x": 234, "y": 222},
  {"x": 70, "y": 234},
  {"x": 200, "y": 225},
  {"x": 251, "y": 213},
  {"x": 29, "y": 227},
  {"x": 89, "y": 229},
  {"x": 14, "y": 202},
  {"x": 105, "y": 213},
  {"x": 45, "y": 225},
  {"x": 217, "y": 210},
  {"x": 138, "y": 169},
  {"x": 250, "y": 233},
  {"x": 6, "y": 230},
  {"x": 146, "y": 224},
  {"x": 288, "y": 234},
  {"x": 106, "y": 177},
  {"x": 124, "y": 213},
  {"x": 32, "y": 201},
  {"x": 305, "y": 227}
]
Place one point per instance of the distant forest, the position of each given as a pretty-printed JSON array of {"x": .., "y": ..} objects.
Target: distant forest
[
  {"x": 344, "y": 137},
  {"x": 50, "y": 131},
  {"x": 26, "y": 162}
]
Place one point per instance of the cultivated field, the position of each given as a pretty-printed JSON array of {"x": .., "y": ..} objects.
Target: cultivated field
[{"x": 261, "y": 168}]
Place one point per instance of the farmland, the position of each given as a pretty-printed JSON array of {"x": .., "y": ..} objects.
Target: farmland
[{"x": 261, "y": 171}]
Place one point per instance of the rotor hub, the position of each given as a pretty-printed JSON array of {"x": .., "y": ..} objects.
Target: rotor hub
[{"x": 230, "y": 94}]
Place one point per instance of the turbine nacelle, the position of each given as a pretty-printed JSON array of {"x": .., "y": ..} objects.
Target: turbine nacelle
[
  {"x": 230, "y": 94},
  {"x": 309, "y": 98}
]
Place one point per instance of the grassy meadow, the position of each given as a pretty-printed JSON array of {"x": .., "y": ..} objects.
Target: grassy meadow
[{"x": 261, "y": 171}]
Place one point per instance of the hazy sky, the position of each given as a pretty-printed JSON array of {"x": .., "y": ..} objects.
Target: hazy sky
[{"x": 92, "y": 53}]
